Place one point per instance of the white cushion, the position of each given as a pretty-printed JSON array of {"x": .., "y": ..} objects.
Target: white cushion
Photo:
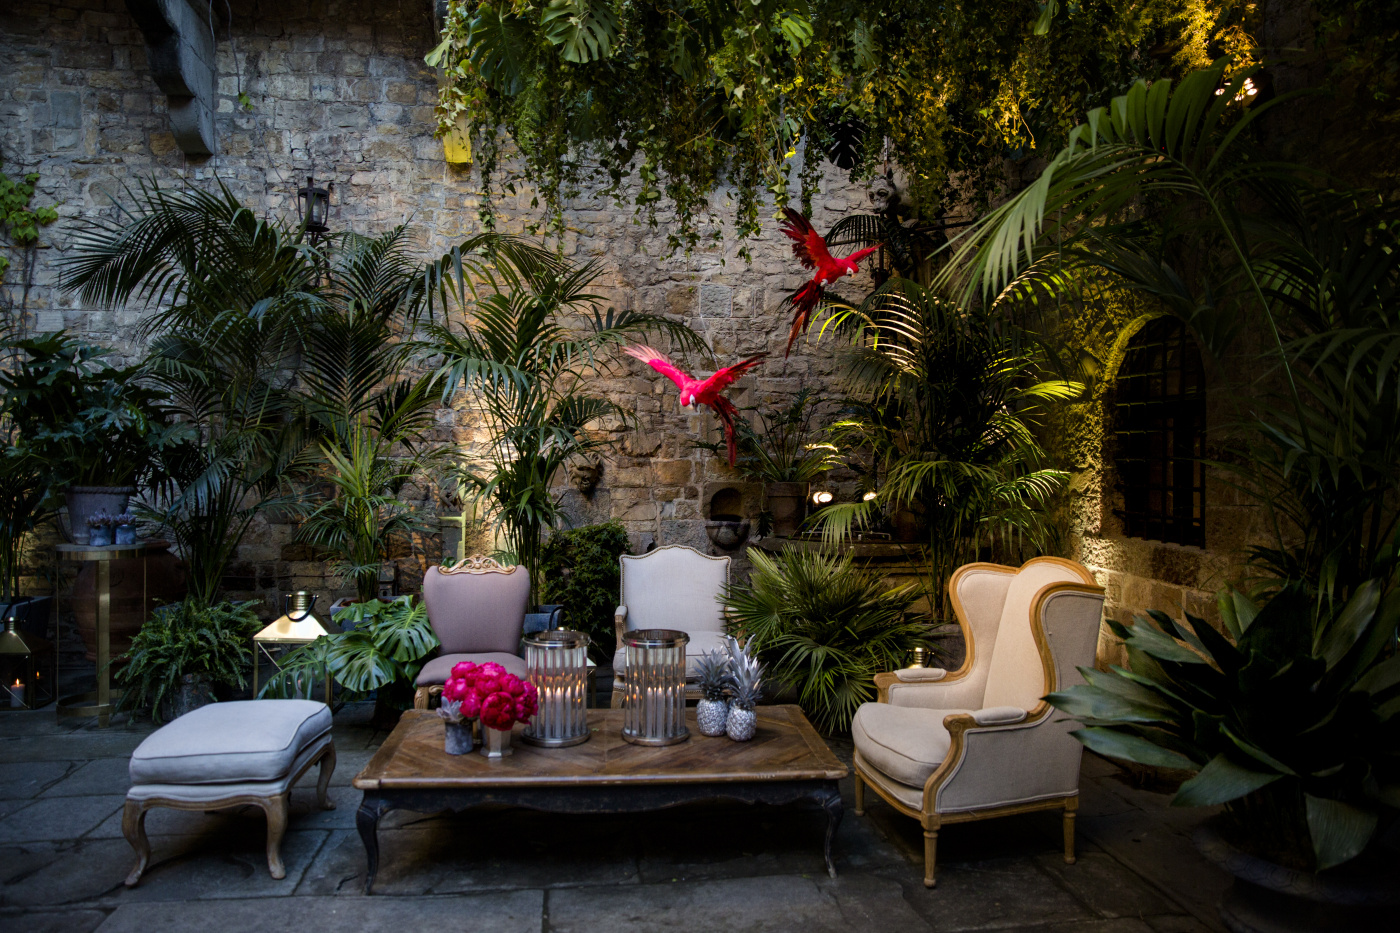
[
  {"x": 223, "y": 743},
  {"x": 999, "y": 715},
  {"x": 906, "y": 743},
  {"x": 912, "y": 797},
  {"x": 919, "y": 675},
  {"x": 212, "y": 793}
]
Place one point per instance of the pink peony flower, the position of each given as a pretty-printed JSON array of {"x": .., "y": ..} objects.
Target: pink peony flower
[
  {"x": 497, "y": 713},
  {"x": 464, "y": 669},
  {"x": 471, "y": 706}
]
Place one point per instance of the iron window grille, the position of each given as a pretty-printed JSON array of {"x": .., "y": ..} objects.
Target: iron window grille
[{"x": 1160, "y": 426}]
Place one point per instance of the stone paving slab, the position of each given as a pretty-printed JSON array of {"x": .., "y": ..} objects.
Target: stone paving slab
[
  {"x": 24, "y": 779},
  {"x": 102, "y": 776},
  {"x": 58, "y": 818},
  {"x": 510, "y": 912}
]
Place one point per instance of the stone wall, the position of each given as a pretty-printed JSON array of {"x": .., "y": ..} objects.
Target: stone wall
[{"x": 339, "y": 90}]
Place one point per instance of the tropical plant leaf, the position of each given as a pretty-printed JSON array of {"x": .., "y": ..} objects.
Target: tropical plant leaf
[
  {"x": 1115, "y": 744},
  {"x": 1338, "y": 830},
  {"x": 1221, "y": 781}
]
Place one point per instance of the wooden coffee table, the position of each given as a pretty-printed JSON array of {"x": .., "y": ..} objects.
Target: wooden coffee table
[{"x": 785, "y": 762}]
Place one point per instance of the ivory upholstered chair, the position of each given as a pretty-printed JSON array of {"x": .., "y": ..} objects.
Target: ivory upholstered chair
[
  {"x": 477, "y": 610},
  {"x": 980, "y": 741},
  {"x": 672, "y": 587}
]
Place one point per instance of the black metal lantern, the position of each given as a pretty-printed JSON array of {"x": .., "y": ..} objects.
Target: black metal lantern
[
  {"x": 27, "y": 669},
  {"x": 314, "y": 203}
]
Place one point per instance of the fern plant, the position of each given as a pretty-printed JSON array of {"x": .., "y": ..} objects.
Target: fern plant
[
  {"x": 825, "y": 627},
  {"x": 187, "y": 638}
]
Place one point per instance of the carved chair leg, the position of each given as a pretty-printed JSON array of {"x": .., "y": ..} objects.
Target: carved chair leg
[
  {"x": 134, "y": 829},
  {"x": 1071, "y": 806},
  {"x": 323, "y": 783},
  {"x": 420, "y": 698},
  {"x": 616, "y": 694},
  {"x": 930, "y": 855},
  {"x": 860, "y": 794},
  {"x": 276, "y": 809}
]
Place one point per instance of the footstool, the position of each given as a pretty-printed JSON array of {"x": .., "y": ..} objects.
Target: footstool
[{"x": 247, "y": 752}]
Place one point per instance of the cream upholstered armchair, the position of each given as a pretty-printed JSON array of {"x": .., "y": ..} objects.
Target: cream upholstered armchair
[
  {"x": 477, "y": 610},
  {"x": 978, "y": 742},
  {"x": 672, "y": 587}
]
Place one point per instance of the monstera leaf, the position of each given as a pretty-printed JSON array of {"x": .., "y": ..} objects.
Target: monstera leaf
[
  {"x": 584, "y": 31},
  {"x": 498, "y": 44}
]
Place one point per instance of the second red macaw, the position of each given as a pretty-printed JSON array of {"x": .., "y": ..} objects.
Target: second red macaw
[
  {"x": 810, "y": 249},
  {"x": 702, "y": 391}
]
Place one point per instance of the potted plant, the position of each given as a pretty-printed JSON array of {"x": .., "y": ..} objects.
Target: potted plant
[
  {"x": 185, "y": 651},
  {"x": 97, "y": 428},
  {"x": 824, "y": 628},
  {"x": 488, "y": 691},
  {"x": 785, "y": 456},
  {"x": 581, "y": 570},
  {"x": 124, "y": 528}
]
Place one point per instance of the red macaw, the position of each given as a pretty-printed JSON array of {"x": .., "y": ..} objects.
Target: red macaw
[
  {"x": 701, "y": 391},
  {"x": 810, "y": 250}
]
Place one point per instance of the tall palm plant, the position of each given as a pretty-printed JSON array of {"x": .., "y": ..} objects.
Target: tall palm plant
[
  {"x": 528, "y": 351},
  {"x": 944, "y": 401}
]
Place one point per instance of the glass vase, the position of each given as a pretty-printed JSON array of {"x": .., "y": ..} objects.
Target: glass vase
[
  {"x": 653, "y": 699},
  {"x": 558, "y": 667}
]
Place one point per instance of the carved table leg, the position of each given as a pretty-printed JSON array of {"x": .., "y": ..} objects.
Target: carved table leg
[
  {"x": 831, "y": 803},
  {"x": 134, "y": 829},
  {"x": 367, "y": 822},
  {"x": 323, "y": 783}
]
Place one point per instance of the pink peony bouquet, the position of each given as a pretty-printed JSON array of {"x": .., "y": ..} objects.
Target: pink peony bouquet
[{"x": 486, "y": 690}]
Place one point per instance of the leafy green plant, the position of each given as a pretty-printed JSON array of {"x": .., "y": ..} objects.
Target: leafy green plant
[
  {"x": 785, "y": 448},
  {"x": 383, "y": 650},
  {"x": 528, "y": 352},
  {"x": 943, "y": 402},
  {"x": 1291, "y": 722},
  {"x": 17, "y": 218},
  {"x": 187, "y": 638},
  {"x": 825, "y": 627},
  {"x": 692, "y": 96},
  {"x": 582, "y": 573}
]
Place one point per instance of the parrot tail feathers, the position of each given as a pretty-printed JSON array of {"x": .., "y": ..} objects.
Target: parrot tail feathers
[{"x": 804, "y": 301}]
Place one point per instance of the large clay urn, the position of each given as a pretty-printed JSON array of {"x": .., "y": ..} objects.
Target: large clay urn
[
  {"x": 788, "y": 504},
  {"x": 165, "y": 583}
]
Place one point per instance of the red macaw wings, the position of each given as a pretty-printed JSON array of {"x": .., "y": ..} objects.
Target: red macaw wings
[
  {"x": 860, "y": 254},
  {"x": 804, "y": 301},
  {"x": 807, "y": 245},
  {"x": 725, "y": 377},
  {"x": 659, "y": 362}
]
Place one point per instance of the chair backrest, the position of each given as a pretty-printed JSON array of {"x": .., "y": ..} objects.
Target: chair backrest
[
  {"x": 478, "y": 608},
  {"x": 674, "y": 587},
  {"x": 1016, "y": 675}
]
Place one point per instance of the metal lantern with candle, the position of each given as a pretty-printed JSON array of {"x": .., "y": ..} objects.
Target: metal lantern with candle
[
  {"x": 654, "y": 698},
  {"x": 314, "y": 205},
  {"x": 297, "y": 626},
  {"x": 27, "y": 669},
  {"x": 557, "y": 662}
]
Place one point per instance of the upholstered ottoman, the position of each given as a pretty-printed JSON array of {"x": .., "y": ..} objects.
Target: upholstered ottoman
[{"x": 230, "y": 755}]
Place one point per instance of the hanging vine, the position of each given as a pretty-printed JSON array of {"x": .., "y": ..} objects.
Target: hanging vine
[{"x": 666, "y": 101}]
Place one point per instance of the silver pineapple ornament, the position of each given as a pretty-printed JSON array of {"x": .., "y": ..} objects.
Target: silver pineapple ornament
[
  {"x": 745, "y": 679},
  {"x": 712, "y": 674}
]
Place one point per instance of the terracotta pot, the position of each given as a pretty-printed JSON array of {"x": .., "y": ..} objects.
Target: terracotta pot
[
  {"x": 86, "y": 501},
  {"x": 165, "y": 583},
  {"x": 1359, "y": 897},
  {"x": 788, "y": 504}
]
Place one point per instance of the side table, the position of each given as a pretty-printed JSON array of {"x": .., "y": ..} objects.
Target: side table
[{"x": 99, "y": 702}]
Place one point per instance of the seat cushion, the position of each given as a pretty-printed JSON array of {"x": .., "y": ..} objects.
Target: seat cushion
[
  {"x": 700, "y": 643},
  {"x": 906, "y": 743},
  {"x": 213, "y": 793},
  {"x": 226, "y": 743},
  {"x": 435, "y": 672}
]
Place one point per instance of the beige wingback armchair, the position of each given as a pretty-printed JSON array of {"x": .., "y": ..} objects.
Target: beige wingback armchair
[
  {"x": 672, "y": 587},
  {"x": 477, "y": 610},
  {"x": 978, "y": 742}
]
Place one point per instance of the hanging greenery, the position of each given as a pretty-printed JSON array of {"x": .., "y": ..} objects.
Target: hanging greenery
[{"x": 676, "y": 98}]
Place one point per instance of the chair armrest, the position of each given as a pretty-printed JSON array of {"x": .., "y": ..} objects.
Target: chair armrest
[
  {"x": 930, "y": 682},
  {"x": 999, "y": 716},
  {"x": 920, "y": 675},
  {"x": 620, "y": 624}
]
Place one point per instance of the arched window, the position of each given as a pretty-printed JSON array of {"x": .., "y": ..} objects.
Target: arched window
[{"x": 1160, "y": 428}]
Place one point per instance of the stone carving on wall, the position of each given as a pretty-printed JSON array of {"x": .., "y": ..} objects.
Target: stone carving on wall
[
  {"x": 585, "y": 473},
  {"x": 180, "y": 44}
]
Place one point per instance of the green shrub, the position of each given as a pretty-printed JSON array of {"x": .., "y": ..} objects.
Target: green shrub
[
  {"x": 825, "y": 628},
  {"x": 186, "y": 638},
  {"x": 582, "y": 574}
]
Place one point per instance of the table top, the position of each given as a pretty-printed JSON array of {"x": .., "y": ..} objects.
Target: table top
[
  {"x": 784, "y": 748},
  {"x": 86, "y": 552}
]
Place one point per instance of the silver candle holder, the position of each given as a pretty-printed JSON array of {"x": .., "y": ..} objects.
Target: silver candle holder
[
  {"x": 654, "y": 689},
  {"x": 557, "y": 664}
]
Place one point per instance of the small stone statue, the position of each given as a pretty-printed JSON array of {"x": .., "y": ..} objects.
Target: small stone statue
[{"x": 584, "y": 474}]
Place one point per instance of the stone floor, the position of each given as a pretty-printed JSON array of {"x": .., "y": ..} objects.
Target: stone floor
[{"x": 62, "y": 860}]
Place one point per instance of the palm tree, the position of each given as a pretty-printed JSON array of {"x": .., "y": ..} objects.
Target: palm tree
[
  {"x": 944, "y": 401},
  {"x": 528, "y": 351}
]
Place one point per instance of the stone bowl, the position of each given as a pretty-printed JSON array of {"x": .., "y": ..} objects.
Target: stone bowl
[{"x": 728, "y": 534}]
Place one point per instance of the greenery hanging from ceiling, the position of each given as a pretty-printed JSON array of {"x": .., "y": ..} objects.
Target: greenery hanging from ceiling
[{"x": 675, "y": 98}]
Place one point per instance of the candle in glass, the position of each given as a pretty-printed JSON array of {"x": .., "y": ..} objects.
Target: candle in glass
[{"x": 17, "y": 694}]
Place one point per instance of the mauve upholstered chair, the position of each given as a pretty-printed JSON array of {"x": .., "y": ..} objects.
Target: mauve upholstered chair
[
  {"x": 477, "y": 610},
  {"x": 981, "y": 741},
  {"x": 672, "y": 587}
]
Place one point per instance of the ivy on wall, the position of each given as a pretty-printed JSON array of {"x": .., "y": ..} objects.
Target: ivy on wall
[
  {"x": 18, "y": 220},
  {"x": 685, "y": 96}
]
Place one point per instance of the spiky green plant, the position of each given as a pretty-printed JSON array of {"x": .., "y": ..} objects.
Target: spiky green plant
[
  {"x": 825, "y": 627},
  {"x": 187, "y": 638}
]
